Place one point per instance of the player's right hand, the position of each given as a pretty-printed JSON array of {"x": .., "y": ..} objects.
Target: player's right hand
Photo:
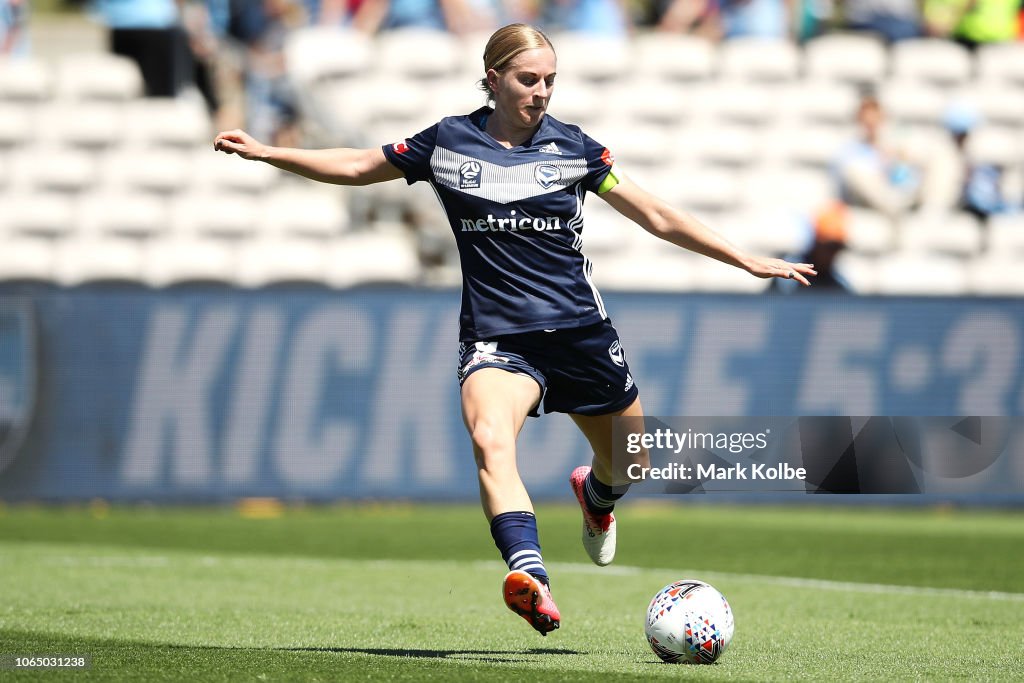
[{"x": 241, "y": 143}]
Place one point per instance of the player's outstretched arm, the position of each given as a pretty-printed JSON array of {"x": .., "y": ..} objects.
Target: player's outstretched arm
[
  {"x": 680, "y": 228},
  {"x": 340, "y": 166}
]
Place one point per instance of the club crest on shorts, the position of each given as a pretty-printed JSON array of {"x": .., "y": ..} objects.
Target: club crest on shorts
[
  {"x": 469, "y": 175},
  {"x": 547, "y": 175},
  {"x": 615, "y": 353}
]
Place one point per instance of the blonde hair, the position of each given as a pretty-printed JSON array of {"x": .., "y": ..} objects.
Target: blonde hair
[{"x": 505, "y": 45}]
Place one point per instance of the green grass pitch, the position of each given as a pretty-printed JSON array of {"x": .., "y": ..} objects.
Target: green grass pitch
[{"x": 408, "y": 592}]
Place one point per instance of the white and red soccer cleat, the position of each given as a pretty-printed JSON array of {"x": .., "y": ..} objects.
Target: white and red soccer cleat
[
  {"x": 598, "y": 530},
  {"x": 529, "y": 598}
]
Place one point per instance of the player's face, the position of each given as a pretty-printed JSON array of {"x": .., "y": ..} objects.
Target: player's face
[{"x": 523, "y": 90}]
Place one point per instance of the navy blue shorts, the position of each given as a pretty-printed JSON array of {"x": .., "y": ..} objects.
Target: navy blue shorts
[{"x": 580, "y": 370}]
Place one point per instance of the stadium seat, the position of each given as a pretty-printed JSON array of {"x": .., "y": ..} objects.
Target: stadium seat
[
  {"x": 453, "y": 98},
  {"x": 857, "y": 58},
  {"x": 16, "y": 126},
  {"x": 324, "y": 53},
  {"x": 665, "y": 56},
  {"x": 605, "y": 231},
  {"x": 1006, "y": 234},
  {"x": 591, "y": 57},
  {"x": 54, "y": 169},
  {"x": 820, "y": 102},
  {"x": 306, "y": 211},
  {"x": 367, "y": 258},
  {"x": 699, "y": 189},
  {"x": 181, "y": 259},
  {"x": 167, "y": 123},
  {"x": 221, "y": 215},
  {"x": 579, "y": 102},
  {"x": 90, "y": 259},
  {"x": 997, "y": 145},
  {"x": 122, "y": 214},
  {"x": 98, "y": 76},
  {"x": 956, "y": 234},
  {"x": 911, "y": 274},
  {"x": 868, "y": 231},
  {"x": 805, "y": 144},
  {"x": 729, "y": 145},
  {"x": 160, "y": 170},
  {"x": 780, "y": 232},
  {"x": 798, "y": 189},
  {"x": 276, "y": 260},
  {"x": 912, "y": 103},
  {"x": 645, "y": 101},
  {"x": 736, "y": 102},
  {"x": 665, "y": 270},
  {"x": 27, "y": 258},
  {"x": 860, "y": 271},
  {"x": 91, "y": 126},
  {"x": 411, "y": 53},
  {"x": 996, "y": 275},
  {"x": 636, "y": 145},
  {"x": 31, "y": 213},
  {"x": 996, "y": 103},
  {"x": 1001, "y": 63},
  {"x": 227, "y": 172},
  {"x": 932, "y": 60},
  {"x": 25, "y": 80},
  {"x": 758, "y": 59},
  {"x": 359, "y": 103}
]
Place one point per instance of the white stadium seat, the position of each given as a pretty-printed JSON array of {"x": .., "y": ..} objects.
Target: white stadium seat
[
  {"x": 868, "y": 231},
  {"x": 25, "y": 80},
  {"x": 996, "y": 275},
  {"x": 859, "y": 270},
  {"x": 995, "y": 103},
  {"x": 670, "y": 56},
  {"x": 47, "y": 214},
  {"x": 305, "y": 211},
  {"x": 723, "y": 145},
  {"x": 957, "y": 234},
  {"x": 592, "y": 57},
  {"x": 913, "y": 103},
  {"x": 217, "y": 172},
  {"x": 324, "y": 53},
  {"x": 371, "y": 258},
  {"x": 222, "y": 215},
  {"x": 710, "y": 275},
  {"x": 820, "y": 101},
  {"x": 56, "y": 169},
  {"x": 772, "y": 231},
  {"x": 646, "y": 101},
  {"x": 806, "y": 144},
  {"x": 168, "y": 123},
  {"x": 89, "y": 259},
  {"x": 159, "y": 170},
  {"x": 933, "y": 60},
  {"x": 1006, "y": 234},
  {"x": 417, "y": 54},
  {"x": 736, "y": 102},
  {"x": 579, "y": 102},
  {"x": 759, "y": 59},
  {"x": 122, "y": 214},
  {"x": 996, "y": 145},
  {"x": 17, "y": 128},
  {"x": 98, "y": 76},
  {"x": 179, "y": 259},
  {"x": 91, "y": 126},
  {"x": 699, "y": 189},
  {"x": 27, "y": 258},
  {"x": 846, "y": 57},
  {"x": 782, "y": 187},
  {"x": 665, "y": 270},
  {"x": 1001, "y": 62},
  {"x": 268, "y": 261},
  {"x": 911, "y": 274}
]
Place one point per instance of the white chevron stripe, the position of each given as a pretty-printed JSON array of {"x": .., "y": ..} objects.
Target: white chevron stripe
[
  {"x": 504, "y": 184},
  {"x": 523, "y": 553}
]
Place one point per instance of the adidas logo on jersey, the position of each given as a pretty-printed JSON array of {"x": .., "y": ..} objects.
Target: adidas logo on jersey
[
  {"x": 510, "y": 224},
  {"x": 550, "y": 148}
]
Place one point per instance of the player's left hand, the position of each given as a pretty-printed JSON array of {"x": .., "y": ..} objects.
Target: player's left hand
[{"x": 775, "y": 267}]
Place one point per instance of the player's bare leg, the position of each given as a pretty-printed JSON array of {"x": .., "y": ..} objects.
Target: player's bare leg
[
  {"x": 594, "y": 486},
  {"x": 495, "y": 405}
]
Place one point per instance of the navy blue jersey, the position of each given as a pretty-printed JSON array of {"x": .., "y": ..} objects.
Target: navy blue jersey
[{"x": 517, "y": 215}]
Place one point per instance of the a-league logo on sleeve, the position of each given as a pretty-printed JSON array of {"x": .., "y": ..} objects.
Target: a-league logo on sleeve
[
  {"x": 607, "y": 157},
  {"x": 400, "y": 147}
]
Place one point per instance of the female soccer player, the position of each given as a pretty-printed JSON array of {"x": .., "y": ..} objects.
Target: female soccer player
[{"x": 534, "y": 329}]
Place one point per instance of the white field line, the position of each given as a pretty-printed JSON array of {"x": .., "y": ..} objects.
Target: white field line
[{"x": 151, "y": 561}]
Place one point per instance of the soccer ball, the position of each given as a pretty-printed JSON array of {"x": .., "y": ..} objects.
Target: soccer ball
[{"x": 689, "y": 621}]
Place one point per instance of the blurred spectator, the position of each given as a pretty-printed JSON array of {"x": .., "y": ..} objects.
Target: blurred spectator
[
  {"x": 828, "y": 240},
  {"x": 981, "y": 185},
  {"x": 973, "y": 22},
  {"x": 607, "y": 18},
  {"x": 725, "y": 19},
  {"x": 893, "y": 20},
  {"x": 874, "y": 172},
  {"x": 456, "y": 16},
  {"x": 149, "y": 32},
  {"x": 13, "y": 28}
]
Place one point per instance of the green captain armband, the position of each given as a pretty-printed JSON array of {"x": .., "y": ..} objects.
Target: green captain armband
[{"x": 613, "y": 178}]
